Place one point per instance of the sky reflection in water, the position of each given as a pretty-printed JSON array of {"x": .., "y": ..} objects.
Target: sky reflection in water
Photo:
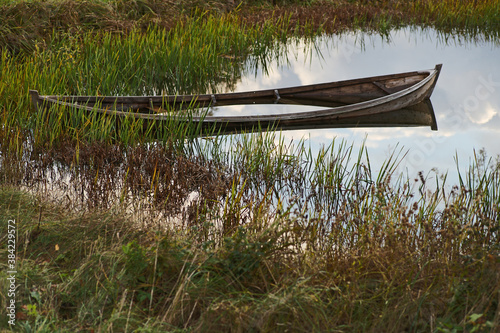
[{"x": 466, "y": 99}]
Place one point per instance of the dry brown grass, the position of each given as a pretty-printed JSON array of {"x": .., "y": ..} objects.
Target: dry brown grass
[{"x": 23, "y": 23}]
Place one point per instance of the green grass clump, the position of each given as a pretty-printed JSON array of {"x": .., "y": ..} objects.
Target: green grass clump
[{"x": 197, "y": 56}]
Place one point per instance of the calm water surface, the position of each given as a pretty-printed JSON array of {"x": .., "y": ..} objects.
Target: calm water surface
[{"x": 466, "y": 99}]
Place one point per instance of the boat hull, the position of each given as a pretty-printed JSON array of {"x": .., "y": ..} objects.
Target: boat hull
[{"x": 350, "y": 103}]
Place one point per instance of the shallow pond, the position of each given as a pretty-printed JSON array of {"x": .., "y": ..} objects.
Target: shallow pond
[{"x": 466, "y": 99}]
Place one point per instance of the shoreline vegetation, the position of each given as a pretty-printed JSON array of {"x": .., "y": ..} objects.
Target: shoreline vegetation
[
  {"x": 123, "y": 228},
  {"x": 24, "y": 23}
]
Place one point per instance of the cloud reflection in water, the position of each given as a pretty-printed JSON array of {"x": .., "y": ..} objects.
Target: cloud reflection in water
[{"x": 466, "y": 99}]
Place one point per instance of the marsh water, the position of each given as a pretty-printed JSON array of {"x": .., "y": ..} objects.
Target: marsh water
[
  {"x": 466, "y": 99},
  {"x": 466, "y": 102}
]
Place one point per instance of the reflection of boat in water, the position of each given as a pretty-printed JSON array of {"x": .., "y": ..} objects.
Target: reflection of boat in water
[
  {"x": 387, "y": 100},
  {"x": 418, "y": 115}
]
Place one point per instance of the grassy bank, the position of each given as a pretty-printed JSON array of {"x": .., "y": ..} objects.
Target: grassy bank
[
  {"x": 378, "y": 263},
  {"x": 24, "y": 23}
]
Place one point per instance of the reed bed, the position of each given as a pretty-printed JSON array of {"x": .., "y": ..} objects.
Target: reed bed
[
  {"x": 205, "y": 54},
  {"x": 349, "y": 249},
  {"x": 23, "y": 24}
]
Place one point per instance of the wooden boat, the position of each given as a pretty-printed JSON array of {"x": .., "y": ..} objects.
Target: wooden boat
[{"x": 349, "y": 103}]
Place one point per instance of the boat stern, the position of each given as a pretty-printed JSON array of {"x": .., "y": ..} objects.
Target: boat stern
[{"x": 35, "y": 98}]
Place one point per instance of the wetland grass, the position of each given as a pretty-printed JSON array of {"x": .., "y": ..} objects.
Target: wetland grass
[
  {"x": 130, "y": 228},
  {"x": 197, "y": 56},
  {"x": 24, "y": 24},
  {"x": 240, "y": 257}
]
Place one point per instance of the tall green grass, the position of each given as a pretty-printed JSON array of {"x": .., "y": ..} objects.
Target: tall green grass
[
  {"x": 198, "y": 56},
  {"x": 354, "y": 251},
  {"x": 459, "y": 16},
  {"x": 23, "y": 24}
]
